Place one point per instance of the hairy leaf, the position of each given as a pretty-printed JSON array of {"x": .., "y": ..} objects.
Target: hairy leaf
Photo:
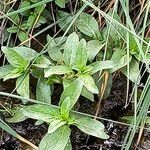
[
  {"x": 134, "y": 72},
  {"x": 4, "y": 70},
  {"x": 55, "y": 124},
  {"x": 61, "y": 69},
  {"x": 65, "y": 108},
  {"x": 93, "y": 47},
  {"x": 87, "y": 24},
  {"x": 100, "y": 65},
  {"x": 41, "y": 112},
  {"x": 90, "y": 126},
  {"x": 73, "y": 90},
  {"x": 17, "y": 115},
  {"x": 89, "y": 83},
  {"x": 81, "y": 55},
  {"x": 42, "y": 62},
  {"x": 22, "y": 85},
  {"x": 43, "y": 91},
  {"x": 14, "y": 58},
  {"x": 60, "y": 3},
  {"x": 71, "y": 49},
  {"x": 56, "y": 140}
]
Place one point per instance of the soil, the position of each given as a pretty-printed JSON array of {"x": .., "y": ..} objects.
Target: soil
[{"x": 112, "y": 108}]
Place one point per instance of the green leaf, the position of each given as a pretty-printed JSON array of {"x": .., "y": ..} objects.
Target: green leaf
[
  {"x": 115, "y": 30},
  {"x": 14, "y": 58},
  {"x": 68, "y": 146},
  {"x": 17, "y": 115},
  {"x": 22, "y": 85},
  {"x": 42, "y": 62},
  {"x": 87, "y": 24},
  {"x": 134, "y": 72},
  {"x": 90, "y": 126},
  {"x": 13, "y": 29},
  {"x": 60, "y": 3},
  {"x": 73, "y": 90},
  {"x": 38, "y": 122},
  {"x": 61, "y": 69},
  {"x": 5, "y": 36},
  {"x": 42, "y": 20},
  {"x": 41, "y": 112},
  {"x": 65, "y": 108},
  {"x": 25, "y": 3},
  {"x": 22, "y": 36},
  {"x": 36, "y": 72},
  {"x": 87, "y": 94},
  {"x": 54, "y": 125},
  {"x": 53, "y": 50},
  {"x": 27, "y": 53},
  {"x": 31, "y": 20},
  {"x": 15, "y": 18},
  {"x": 93, "y": 47},
  {"x": 56, "y": 140},
  {"x": 54, "y": 79},
  {"x": 43, "y": 91},
  {"x": 8, "y": 129},
  {"x": 14, "y": 73},
  {"x": 81, "y": 55},
  {"x": 5, "y": 70},
  {"x": 64, "y": 19},
  {"x": 66, "y": 82},
  {"x": 120, "y": 59},
  {"x": 71, "y": 49},
  {"x": 133, "y": 46},
  {"x": 89, "y": 83},
  {"x": 100, "y": 65}
]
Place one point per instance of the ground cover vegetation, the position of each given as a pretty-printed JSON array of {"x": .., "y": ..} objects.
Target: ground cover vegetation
[{"x": 63, "y": 63}]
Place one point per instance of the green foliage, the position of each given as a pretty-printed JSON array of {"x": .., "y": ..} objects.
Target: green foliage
[
  {"x": 78, "y": 59},
  {"x": 24, "y": 21},
  {"x": 90, "y": 126},
  {"x": 43, "y": 91},
  {"x": 56, "y": 140},
  {"x": 87, "y": 25}
]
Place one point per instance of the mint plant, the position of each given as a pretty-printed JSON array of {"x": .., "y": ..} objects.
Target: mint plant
[
  {"x": 19, "y": 59},
  {"x": 74, "y": 63},
  {"x": 59, "y": 119},
  {"x": 25, "y": 21}
]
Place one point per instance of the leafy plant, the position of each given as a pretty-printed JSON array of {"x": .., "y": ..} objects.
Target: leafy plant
[
  {"x": 59, "y": 119},
  {"x": 19, "y": 59},
  {"x": 23, "y": 22},
  {"x": 73, "y": 63}
]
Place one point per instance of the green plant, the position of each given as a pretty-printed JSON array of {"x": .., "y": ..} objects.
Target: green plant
[
  {"x": 19, "y": 59},
  {"x": 74, "y": 63},
  {"x": 84, "y": 59},
  {"x": 25, "y": 21},
  {"x": 59, "y": 119}
]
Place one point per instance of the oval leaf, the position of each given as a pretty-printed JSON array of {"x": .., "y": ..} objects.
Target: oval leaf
[
  {"x": 56, "y": 140},
  {"x": 73, "y": 91},
  {"x": 89, "y": 83},
  {"x": 55, "y": 124},
  {"x": 90, "y": 126},
  {"x": 43, "y": 91},
  {"x": 41, "y": 112},
  {"x": 61, "y": 69},
  {"x": 70, "y": 49},
  {"x": 14, "y": 58},
  {"x": 22, "y": 85},
  {"x": 87, "y": 24}
]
